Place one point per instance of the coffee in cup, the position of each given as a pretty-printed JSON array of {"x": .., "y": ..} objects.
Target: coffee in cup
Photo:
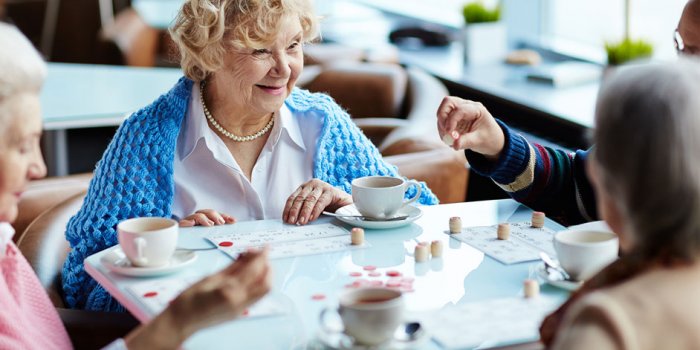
[
  {"x": 381, "y": 196},
  {"x": 369, "y": 315},
  {"x": 583, "y": 253},
  {"x": 148, "y": 242}
]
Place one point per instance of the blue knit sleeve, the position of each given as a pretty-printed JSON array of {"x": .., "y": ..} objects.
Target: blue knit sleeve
[
  {"x": 133, "y": 179},
  {"x": 343, "y": 151}
]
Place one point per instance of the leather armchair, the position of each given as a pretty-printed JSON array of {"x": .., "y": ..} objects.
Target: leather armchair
[
  {"x": 395, "y": 107},
  {"x": 44, "y": 245}
]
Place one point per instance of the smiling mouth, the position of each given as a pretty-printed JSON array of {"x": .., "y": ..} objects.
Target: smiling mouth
[{"x": 275, "y": 90}]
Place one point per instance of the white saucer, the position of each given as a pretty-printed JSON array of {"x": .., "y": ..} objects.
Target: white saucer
[
  {"x": 412, "y": 213},
  {"x": 340, "y": 341},
  {"x": 116, "y": 261},
  {"x": 567, "y": 285}
]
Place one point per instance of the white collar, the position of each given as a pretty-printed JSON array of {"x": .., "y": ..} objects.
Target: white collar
[
  {"x": 197, "y": 128},
  {"x": 6, "y": 234}
]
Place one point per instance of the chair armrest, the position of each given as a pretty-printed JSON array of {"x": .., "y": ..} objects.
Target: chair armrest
[
  {"x": 94, "y": 329},
  {"x": 444, "y": 170},
  {"x": 376, "y": 129}
]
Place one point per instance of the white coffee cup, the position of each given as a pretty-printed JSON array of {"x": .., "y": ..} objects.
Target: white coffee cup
[
  {"x": 583, "y": 253},
  {"x": 369, "y": 315},
  {"x": 381, "y": 196},
  {"x": 148, "y": 242}
]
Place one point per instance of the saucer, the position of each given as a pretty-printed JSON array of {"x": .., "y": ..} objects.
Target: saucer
[
  {"x": 412, "y": 213},
  {"x": 566, "y": 285},
  {"x": 117, "y": 262},
  {"x": 340, "y": 341}
]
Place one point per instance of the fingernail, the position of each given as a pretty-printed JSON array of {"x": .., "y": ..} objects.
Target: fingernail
[
  {"x": 210, "y": 222},
  {"x": 293, "y": 219},
  {"x": 455, "y": 135},
  {"x": 221, "y": 221}
]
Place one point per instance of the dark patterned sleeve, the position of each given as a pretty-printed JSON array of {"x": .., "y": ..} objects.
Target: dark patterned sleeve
[{"x": 543, "y": 178}]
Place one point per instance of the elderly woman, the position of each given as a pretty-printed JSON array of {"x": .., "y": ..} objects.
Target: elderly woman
[
  {"x": 28, "y": 319},
  {"x": 234, "y": 139},
  {"x": 645, "y": 169}
]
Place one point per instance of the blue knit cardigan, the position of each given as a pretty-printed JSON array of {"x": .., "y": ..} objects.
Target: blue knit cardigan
[{"x": 135, "y": 177}]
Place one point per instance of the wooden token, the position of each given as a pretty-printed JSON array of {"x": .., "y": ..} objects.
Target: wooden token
[
  {"x": 436, "y": 249},
  {"x": 455, "y": 224},
  {"x": 421, "y": 253},
  {"x": 357, "y": 236},
  {"x": 531, "y": 288},
  {"x": 503, "y": 232},
  {"x": 538, "y": 219}
]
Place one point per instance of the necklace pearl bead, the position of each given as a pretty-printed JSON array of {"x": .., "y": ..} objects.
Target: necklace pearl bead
[{"x": 227, "y": 133}]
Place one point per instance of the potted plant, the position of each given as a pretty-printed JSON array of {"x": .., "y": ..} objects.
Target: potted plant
[
  {"x": 485, "y": 37},
  {"x": 627, "y": 49}
]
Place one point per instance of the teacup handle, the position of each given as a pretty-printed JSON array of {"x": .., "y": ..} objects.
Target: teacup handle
[
  {"x": 418, "y": 191},
  {"x": 140, "y": 244},
  {"x": 325, "y": 325}
]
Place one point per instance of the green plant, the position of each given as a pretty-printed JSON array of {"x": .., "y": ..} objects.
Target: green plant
[
  {"x": 627, "y": 50},
  {"x": 476, "y": 12}
]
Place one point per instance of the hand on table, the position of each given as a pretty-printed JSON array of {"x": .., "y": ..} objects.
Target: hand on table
[
  {"x": 213, "y": 300},
  {"x": 469, "y": 125},
  {"x": 311, "y": 198},
  {"x": 206, "y": 217}
]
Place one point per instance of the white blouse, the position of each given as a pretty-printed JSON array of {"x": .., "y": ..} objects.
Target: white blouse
[
  {"x": 6, "y": 234},
  {"x": 208, "y": 177}
]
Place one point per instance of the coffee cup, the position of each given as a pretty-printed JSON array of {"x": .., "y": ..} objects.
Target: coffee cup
[
  {"x": 381, "y": 196},
  {"x": 369, "y": 315},
  {"x": 583, "y": 253},
  {"x": 148, "y": 242}
]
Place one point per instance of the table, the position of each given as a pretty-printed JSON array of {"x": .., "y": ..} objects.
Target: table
[
  {"x": 87, "y": 96},
  {"x": 463, "y": 274}
]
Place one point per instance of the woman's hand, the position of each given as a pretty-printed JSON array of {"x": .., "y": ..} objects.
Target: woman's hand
[
  {"x": 206, "y": 217},
  {"x": 468, "y": 125},
  {"x": 213, "y": 300},
  {"x": 311, "y": 198}
]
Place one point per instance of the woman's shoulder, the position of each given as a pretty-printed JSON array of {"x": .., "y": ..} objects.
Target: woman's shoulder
[
  {"x": 164, "y": 112},
  {"x": 301, "y": 100}
]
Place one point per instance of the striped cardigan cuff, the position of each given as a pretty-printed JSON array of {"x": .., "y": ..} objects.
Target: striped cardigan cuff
[{"x": 512, "y": 165}]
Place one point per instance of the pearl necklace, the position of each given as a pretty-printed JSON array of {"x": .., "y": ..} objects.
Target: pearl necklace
[{"x": 227, "y": 133}]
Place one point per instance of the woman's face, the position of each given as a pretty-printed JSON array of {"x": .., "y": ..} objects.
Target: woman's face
[
  {"x": 259, "y": 80},
  {"x": 20, "y": 155}
]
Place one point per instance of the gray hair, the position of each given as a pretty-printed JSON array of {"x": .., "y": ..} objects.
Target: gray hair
[
  {"x": 647, "y": 140},
  {"x": 22, "y": 70}
]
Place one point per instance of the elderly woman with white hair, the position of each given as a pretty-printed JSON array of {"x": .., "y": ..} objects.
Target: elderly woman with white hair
[
  {"x": 645, "y": 169},
  {"x": 233, "y": 140},
  {"x": 28, "y": 319}
]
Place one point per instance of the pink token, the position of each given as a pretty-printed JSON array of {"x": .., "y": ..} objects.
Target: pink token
[
  {"x": 374, "y": 274},
  {"x": 150, "y": 294},
  {"x": 393, "y": 273},
  {"x": 226, "y": 244},
  {"x": 318, "y": 297},
  {"x": 355, "y": 274},
  {"x": 393, "y": 284},
  {"x": 246, "y": 312},
  {"x": 369, "y": 268},
  {"x": 376, "y": 283}
]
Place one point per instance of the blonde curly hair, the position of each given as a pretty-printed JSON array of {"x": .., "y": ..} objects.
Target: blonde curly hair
[{"x": 205, "y": 30}]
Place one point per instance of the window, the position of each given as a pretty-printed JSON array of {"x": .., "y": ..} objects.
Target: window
[{"x": 592, "y": 22}]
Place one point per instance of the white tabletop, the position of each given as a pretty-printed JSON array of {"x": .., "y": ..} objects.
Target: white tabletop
[
  {"x": 463, "y": 274},
  {"x": 88, "y": 95}
]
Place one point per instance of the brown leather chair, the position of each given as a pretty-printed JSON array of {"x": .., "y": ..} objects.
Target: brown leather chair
[
  {"x": 44, "y": 245},
  {"x": 396, "y": 108}
]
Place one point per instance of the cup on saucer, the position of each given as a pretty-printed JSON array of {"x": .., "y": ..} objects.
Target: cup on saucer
[
  {"x": 382, "y": 196},
  {"x": 583, "y": 253},
  {"x": 369, "y": 315},
  {"x": 148, "y": 241}
]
